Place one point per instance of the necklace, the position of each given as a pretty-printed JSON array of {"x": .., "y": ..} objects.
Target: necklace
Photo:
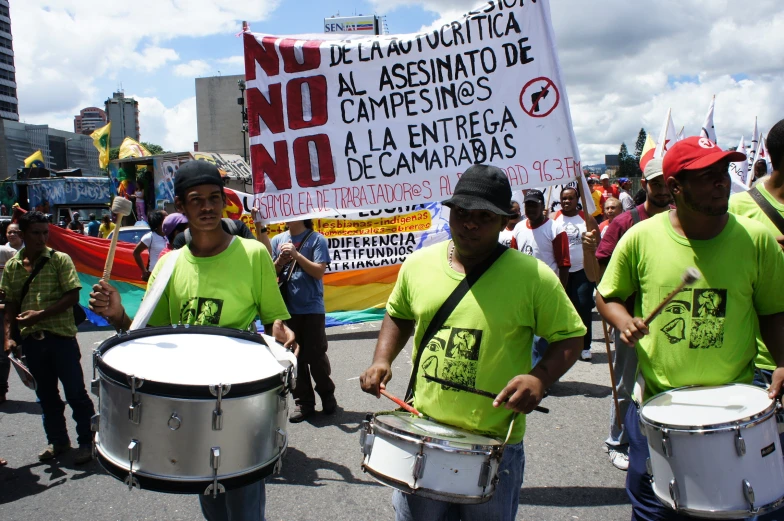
[{"x": 451, "y": 252}]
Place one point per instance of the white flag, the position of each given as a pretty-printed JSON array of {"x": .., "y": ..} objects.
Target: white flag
[
  {"x": 753, "y": 145},
  {"x": 681, "y": 136},
  {"x": 739, "y": 170},
  {"x": 708, "y": 130},
  {"x": 762, "y": 155},
  {"x": 667, "y": 137}
]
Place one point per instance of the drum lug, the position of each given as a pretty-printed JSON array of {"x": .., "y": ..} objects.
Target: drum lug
[
  {"x": 217, "y": 414},
  {"x": 484, "y": 475},
  {"x": 133, "y": 456},
  {"x": 95, "y": 362},
  {"x": 748, "y": 493},
  {"x": 135, "y": 410},
  {"x": 281, "y": 436},
  {"x": 214, "y": 488},
  {"x": 419, "y": 465},
  {"x": 666, "y": 443},
  {"x": 283, "y": 402},
  {"x": 95, "y": 386},
  {"x": 648, "y": 468},
  {"x": 95, "y": 422},
  {"x": 289, "y": 382},
  {"x": 675, "y": 494},
  {"x": 174, "y": 421},
  {"x": 740, "y": 444}
]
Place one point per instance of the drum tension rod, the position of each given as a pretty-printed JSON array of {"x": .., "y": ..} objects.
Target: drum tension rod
[
  {"x": 748, "y": 492},
  {"x": 215, "y": 488},
  {"x": 135, "y": 410},
  {"x": 133, "y": 456},
  {"x": 220, "y": 391}
]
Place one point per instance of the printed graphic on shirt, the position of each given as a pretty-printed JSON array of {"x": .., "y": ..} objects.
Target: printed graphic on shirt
[
  {"x": 696, "y": 316},
  {"x": 453, "y": 355},
  {"x": 528, "y": 249},
  {"x": 201, "y": 311},
  {"x": 573, "y": 233}
]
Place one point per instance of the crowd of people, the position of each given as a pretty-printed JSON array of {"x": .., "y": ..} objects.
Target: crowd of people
[{"x": 533, "y": 280}]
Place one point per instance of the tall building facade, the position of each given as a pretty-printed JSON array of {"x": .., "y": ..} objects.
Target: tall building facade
[
  {"x": 219, "y": 115},
  {"x": 89, "y": 119},
  {"x": 9, "y": 102},
  {"x": 123, "y": 113}
]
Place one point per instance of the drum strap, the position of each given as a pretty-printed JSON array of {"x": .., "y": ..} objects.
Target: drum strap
[
  {"x": 768, "y": 208},
  {"x": 155, "y": 293},
  {"x": 447, "y": 308}
]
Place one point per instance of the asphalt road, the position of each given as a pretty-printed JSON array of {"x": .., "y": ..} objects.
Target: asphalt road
[{"x": 567, "y": 474}]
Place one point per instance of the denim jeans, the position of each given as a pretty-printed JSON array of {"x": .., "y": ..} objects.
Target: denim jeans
[
  {"x": 49, "y": 360},
  {"x": 625, "y": 370},
  {"x": 242, "y": 504},
  {"x": 501, "y": 507},
  {"x": 580, "y": 292},
  {"x": 538, "y": 349}
]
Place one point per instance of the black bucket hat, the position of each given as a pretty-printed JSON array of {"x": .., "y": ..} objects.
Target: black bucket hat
[{"x": 483, "y": 187}]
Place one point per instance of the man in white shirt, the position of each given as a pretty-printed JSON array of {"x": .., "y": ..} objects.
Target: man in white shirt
[
  {"x": 507, "y": 234},
  {"x": 154, "y": 240},
  {"x": 624, "y": 195}
]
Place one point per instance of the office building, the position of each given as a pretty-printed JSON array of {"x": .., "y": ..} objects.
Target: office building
[
  {"x": 219, "y": 115},
  {"x": 88, "y": 120},
  {"x": 123, "y": 113},
  {"x": 9, "y": 102}
]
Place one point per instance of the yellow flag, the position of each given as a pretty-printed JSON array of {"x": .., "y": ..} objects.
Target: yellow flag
[
  {"x": 132, "y": 148},
  {"x": 36, "y": 160},
  {"x": 101, "y": 141}
]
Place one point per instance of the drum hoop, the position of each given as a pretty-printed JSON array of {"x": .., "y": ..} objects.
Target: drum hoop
[
  {"x": 435, "y": 442},
  {"x": 714, "y": 428},
  {"x": 188, "y": 391},
  {"x": 426, "y": 492},
  {"x": 725, "y": 514}
]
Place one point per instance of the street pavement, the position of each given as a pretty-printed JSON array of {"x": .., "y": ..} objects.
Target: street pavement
[{"x": 568, "y": 475}]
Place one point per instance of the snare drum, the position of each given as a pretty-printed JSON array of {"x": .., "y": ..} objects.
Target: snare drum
[
  {"x": 422, "y": 457},
  {"x": 715, "y": 451},
  {"x": 190, "y": 409}
]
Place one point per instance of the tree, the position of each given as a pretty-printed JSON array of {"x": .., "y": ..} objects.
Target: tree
[
  {"x": 626, "y": 162},
  {"x": 154, "y": 149},
  {"x": 640, "y": 144},
  {"x": 114, "y": 153}
]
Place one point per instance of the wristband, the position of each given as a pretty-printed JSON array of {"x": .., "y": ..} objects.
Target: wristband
[{"x": 263, "y": 229}]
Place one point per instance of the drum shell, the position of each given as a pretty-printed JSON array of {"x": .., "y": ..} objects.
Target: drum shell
[
  {"x": 248, "y": 440},
  {"x": 710, "y": 473}
]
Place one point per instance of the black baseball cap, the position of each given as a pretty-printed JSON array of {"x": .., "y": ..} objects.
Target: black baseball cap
[
  {"x": 534, "y": 196},
  {"x": 483, "y": 187},
  {"x": 194, "y": 173}
]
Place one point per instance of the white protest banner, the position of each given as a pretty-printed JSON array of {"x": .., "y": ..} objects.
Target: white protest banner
[{"x": 377, "y": 122}]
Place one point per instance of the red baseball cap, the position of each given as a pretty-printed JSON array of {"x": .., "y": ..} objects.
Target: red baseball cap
[{"x": 696, "y": 153}]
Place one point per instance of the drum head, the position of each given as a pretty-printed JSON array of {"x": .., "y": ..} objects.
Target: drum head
[
  {"x": 706, "y": 406},
  {"x": 405, "y": 423},
  {"x": 182, "y": 358}
]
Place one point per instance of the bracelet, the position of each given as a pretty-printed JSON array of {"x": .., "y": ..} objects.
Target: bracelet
[{"x": 263, "y": 230}]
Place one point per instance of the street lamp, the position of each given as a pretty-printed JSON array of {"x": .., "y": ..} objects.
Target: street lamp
[{"x": 241, "y": 102}]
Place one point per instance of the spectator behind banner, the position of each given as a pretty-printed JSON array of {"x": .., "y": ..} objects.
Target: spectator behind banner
[
  {"x": 596, "y": 195},
  {"x": 612, "y": 207},
  {"x": 76, "y": 225},
  {"x": 607, "y": 189},
  {"x": 107, "y": 226},
  {"x": 173, "y": 225},
  {"x": 624, "y": 194},
  {"x": 154, "y": 241},
  {"x": 93, "y": 226},
  {"x": 507, "y": 234}
]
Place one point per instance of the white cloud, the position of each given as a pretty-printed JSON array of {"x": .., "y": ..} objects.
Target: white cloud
[
  {"x": 173, "y": 128},
  {"x": 192, "y": 69},
  {"x": 619, "y": 58}
]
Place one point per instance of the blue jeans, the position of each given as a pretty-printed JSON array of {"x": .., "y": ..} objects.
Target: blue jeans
[
  {"x": 625, "y": 370},
  {"x": 538, "y": 349},
  {"x": 501, "y": 507},
  {"x": 49, "y": 360},
  {"x": 580, "y": 292},
  {"x": 242, "y": 504}
]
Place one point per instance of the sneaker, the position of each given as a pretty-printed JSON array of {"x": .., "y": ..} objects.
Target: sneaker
[
  {"x": 329, "y": 405},
  {"x": 585, "y": 355},
  {"x": 52, "y": 451},
  {"x": 83, "y": 454},
  {"x": 620, "y": 460},
  {"x": 300, "y": 414}
]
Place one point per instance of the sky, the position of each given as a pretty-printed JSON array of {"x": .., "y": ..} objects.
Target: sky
[{"x": 625, "y": 62}]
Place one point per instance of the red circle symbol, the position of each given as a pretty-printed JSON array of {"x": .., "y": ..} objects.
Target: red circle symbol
[{"x": 534, "y": 97}]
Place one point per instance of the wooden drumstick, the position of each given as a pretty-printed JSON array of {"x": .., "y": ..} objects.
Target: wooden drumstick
[
  {"x": 401, "y": 403},
  {"x": 690, "y": 276},
  {"x": 122, "y": 207}
]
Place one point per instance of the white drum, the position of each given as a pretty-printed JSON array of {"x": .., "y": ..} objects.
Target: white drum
[
  {"x": 419, "y": 456},
  {"x": 191, "y": 409},
  {"x": 715, "y": 451}
]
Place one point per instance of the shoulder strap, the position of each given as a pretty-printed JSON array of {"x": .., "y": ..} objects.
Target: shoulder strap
[
  {"x": 36, "y": 270},
  {"x": 294, "y": 263},
  {"x": 766, "y": 207},
  {"x": 155, "y": 292},
  {"x": 635, "y": 215},
  {"x": 231, "y": 226},
  {"x": 447, "y": 308}
]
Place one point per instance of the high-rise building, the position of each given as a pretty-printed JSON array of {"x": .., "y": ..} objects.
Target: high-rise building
[
  {"x": 9, "y": 102},
  {"x": 219, "y": 115},
  {"x": 88, "y": 120},
  {"x": 123, "y": 113}
]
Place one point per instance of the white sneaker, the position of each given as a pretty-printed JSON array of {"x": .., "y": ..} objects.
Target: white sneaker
[
  {"x": 619, "y": 459},
  {"x": 585, "y": 355}
]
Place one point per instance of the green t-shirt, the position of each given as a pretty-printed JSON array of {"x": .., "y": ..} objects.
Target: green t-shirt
[
  {"x": 743, "y": 204},
  {"x": 706, "y": 335},
  {"x": 229, "y": 289},
  {"x": 487, "y": 339}
]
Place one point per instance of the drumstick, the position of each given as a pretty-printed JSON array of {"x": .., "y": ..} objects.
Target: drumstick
[
  {"x": 122, "y": 207},
  {"x": 689, "y": 277},
  {"x": 401, "y": 403},
  {"x": 597, "y": 271},
  {"x": 480, "y": 392}
]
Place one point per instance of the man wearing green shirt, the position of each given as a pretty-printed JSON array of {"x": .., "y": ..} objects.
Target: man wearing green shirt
[
  {"x": 486, "y": 341},
  {"x": 706, "y": 335},
  {"x": 218, "y": 280},
  {"x": 772, "y": 189}
]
